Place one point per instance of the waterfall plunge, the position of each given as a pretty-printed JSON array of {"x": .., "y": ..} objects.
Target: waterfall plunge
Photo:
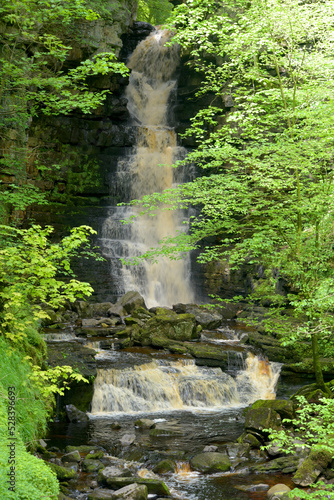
[{"x": 147, "y": 171}]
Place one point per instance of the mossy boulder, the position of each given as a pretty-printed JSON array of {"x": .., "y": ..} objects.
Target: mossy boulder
[
  {"x": 145, "y": 423},
  {"x": 312, "y": 393},
  {"x": 208, "y": 319},
  {"x": 154, "y": 486},
  {"x": 172, "y": 326},
  {"x": 307, "y": 473},
  {"x": 210, "y": 462},
  {"x": 165, "y": 466},
  {"x": 90, "y": 465},
  {"x": 282, "y": 406},
  {"x": 287, "y": 465},
  {"x": 63, "y": 473},
  {"x": 260, "y": 419},
  {"x": 249, "y": 438},
  {"x": 73, "y": 456},
  {"x": 133, "y": 491},
  {"x": 206, "y": 353}
]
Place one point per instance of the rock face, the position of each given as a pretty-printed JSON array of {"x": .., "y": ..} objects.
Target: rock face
[{"x": 210, "y": 462}]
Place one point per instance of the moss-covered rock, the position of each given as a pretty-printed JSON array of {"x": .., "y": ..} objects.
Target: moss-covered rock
[
  {"x": 249, "y": 438},
  {"x": 282, "y": 406},
  {"x": 165, "y": 466},
  {"x": 63, "y": 473},
  {"x": 287, "y": 465},
  {"x": 210, "y": 462},
  {"x": 307, "y": 473},
  {"x": 154, "y": 486},
  {"x": 259, "y": 419},
  {"x": 90, "y": 465}
]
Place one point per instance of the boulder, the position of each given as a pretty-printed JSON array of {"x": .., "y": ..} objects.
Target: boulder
[
  {"x": 154, "y": 486},
  {"x": 62, "y": 473},
  {"x": 278, "y": 490},
  {"x": 237, "y": 450},
  {"x": 94, "y": 455},
  {"x": 83, "y": 448},
  {"x": 282, "y": 406},
  {"x": 133, "y": 491},
  {"x": 210, "y": 448},
  {"x": 247, "y": 437},
  {"x": 311, "y": 468},
  {"x": 74, "y": 456},
  {"x": 169, "y": 325},
  {"x": 287, "y": 465},
  {"x": 89, "y": 465},
  {"x": 210, "y": 462},
  {"x": 89, "y": 323},
  {"x": 208, "y": 319},
  {"x": 145, "y": 423},
  {"x": 74, "y": 415},
  {"x": 127, "y": 439},
  {"x": 111, "y": 472},
  {"x": 100, "y": 494},
  {"x": 131, "y": 301},
  {"x": 164, "y": 466},
  {"x": 259, "y": 419}
]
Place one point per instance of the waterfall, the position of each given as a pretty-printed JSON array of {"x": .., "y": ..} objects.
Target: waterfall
[
  {"x": 178, "y": 385},
  {"x": 148, "y": 170}
]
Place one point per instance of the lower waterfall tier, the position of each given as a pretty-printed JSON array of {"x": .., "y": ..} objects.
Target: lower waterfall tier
[{"x": 162, "y": 385}]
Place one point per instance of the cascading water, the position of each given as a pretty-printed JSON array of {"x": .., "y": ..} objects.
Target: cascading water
[
  {"x": 149, "y": 170},
  {"x": 162, "y": 385}
]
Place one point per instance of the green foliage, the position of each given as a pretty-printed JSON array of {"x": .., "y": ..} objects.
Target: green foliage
[
  {"x": 36, "y": 78},
  {"x": 55, "y": 380},
  {"x": 33, "y": 478},
  {"x": 29, "y": 275},
  {"x": 313, "y": 425},
  {"x": 265, "y": 146},
  {"x": 154, "y": 11},
  {"x": 31, "y": 412}
]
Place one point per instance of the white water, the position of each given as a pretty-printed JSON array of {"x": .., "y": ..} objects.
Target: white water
[
  {"x": 147, "y": 171},
  {"x": 162, "y": 385}
]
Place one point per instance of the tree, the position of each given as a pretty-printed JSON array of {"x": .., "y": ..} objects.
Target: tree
[
  {"x": 266, "y": 149},
  {"x": 36, "y": 78}
]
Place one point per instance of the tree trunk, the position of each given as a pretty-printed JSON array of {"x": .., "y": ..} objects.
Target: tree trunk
[{"x": 316, "y": 364}]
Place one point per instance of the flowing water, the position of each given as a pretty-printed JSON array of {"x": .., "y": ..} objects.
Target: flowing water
[
  {"x": 149, "y": 169},
  {"x": 163, "y": 385}
]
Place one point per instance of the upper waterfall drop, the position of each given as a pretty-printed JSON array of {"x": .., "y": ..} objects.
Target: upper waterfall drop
[{"x": 149, "y": 169}]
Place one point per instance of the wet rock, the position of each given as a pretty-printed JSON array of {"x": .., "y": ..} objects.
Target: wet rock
[
  {"x": 112, "y": 321},
  {"x": 131, "y": 492},
  {"x": 282, "y": 406},
  {"x": 153, "y": 485},
  {"x": 259, "y": 419},
  {"x": 145, "y": 423},
  {"x": 74, "y": 456},
  {"x": 116, "y": 426},
  {"x": 94, "y": 455},
  {"x": 90, "y": 323},
  {"x": 210, "y": 448},
  {"x": 204, "y": 354},
  {"x": 237, "y": 450},
  {"x": 75, "y": 355},
  {"x": 111, "y": 472},
  {"x": 253, "y": 487},
  {"x": 247, "y": 437},
  {"x": 210, "y": 462},
  {"x": 278, "y": 491},
  {"x": 286, "y": 465},
  {"x": 84, "y": 448},
  {"x": 131, "y": 301},
  {"x": 90, "y": 465},
  {"x": 170, "y": 325},
  {"x": 127, "y": 439},
  {"x": 164, "y": 466},
  {"x": 142, "y": 314},
  {"x": 100, "y": 494},
  {"x": 74, "y": 415},
  {"x": 312, "y": 467},
  {"x": 207, "y": 318},
  {"x": 62, "y": 473}
]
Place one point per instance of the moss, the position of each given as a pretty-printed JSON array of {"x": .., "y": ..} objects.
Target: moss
[{"x": 62, "y": 473}]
